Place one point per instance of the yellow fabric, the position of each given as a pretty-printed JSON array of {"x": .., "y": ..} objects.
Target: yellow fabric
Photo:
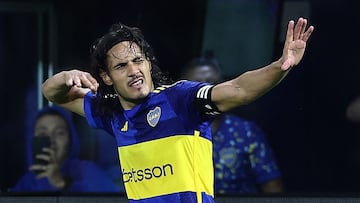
[{"x": 169, "y": 165}]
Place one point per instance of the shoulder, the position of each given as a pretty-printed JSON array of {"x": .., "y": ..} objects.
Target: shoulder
[
  {"x": 182, "y": 89},
  {"x": 179, "y": 85}
]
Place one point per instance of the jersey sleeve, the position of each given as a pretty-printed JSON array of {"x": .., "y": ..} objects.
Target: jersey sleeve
[
  {"x": 203, "y": 102},
  {"x": 196, "y": 97},
  {"x": 93, "y": 119}
]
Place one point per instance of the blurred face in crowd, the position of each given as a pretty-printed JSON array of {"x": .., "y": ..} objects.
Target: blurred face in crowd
[
  {"x": 57, "y": 129},
  {"x": 129, "y": 73},
  {"x": 203, "y": 73}
]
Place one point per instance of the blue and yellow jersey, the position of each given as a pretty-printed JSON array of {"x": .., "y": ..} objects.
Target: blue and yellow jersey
[{"x": 164, "y": 145}]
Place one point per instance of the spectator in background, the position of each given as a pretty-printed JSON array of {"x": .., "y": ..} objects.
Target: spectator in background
[
  {"x": 353, "y": 110},
  {"x": 243, "y": 160},
  {"x": 57, "y": 168}
]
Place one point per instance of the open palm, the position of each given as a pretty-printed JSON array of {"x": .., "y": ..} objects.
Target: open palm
[{"x": 295, "y": 43}]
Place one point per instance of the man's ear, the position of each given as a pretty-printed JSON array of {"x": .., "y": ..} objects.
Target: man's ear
[{"x": 105, "y": 77}]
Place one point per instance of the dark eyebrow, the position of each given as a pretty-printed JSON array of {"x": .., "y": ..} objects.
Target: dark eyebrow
[{"x": 119, "y": 64}]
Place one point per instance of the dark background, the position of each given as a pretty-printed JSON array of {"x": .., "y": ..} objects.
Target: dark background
[{"x": 304, "y": 117}]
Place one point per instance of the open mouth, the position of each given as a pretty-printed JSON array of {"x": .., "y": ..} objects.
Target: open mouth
[{"x": 136, "y": 83}]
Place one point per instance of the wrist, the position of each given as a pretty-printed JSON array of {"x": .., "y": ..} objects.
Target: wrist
[
  {"x": 278, "y": 63},
  {"x": 280, "y": 66}
]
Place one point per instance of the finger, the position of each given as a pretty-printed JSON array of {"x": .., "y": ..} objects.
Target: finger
[
  {"x": 69, "y": 81},
  {"x": 51, "y": 153},
  {"x": 38, "y": 167},
  {"x": 77, "y": 81},
  {"x": 289, "y": 33},
  {"x": 303, "y": 27},
  {"x": 90, "y": 82},
  {"x": 94, "y": 82},
  {"x": 298, "y": 27},
  {"x": 44, "y": 157},
  {"x": 307, "y": 34}
]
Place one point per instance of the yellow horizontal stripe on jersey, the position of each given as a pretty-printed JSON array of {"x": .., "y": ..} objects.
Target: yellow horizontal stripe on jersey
[{"x": 169, "y": 165}]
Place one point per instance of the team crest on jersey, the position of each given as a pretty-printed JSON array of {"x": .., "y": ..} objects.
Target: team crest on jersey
[
  {"x": 153, "y": 116},
  {"x": 228, "y": 156}
]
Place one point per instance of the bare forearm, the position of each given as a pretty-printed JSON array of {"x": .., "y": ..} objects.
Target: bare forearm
[
  {"x": 68, "y": 89},
  {"x": 252, "y": 84},
  {"x": 56, "y": 90},
  {"x": 67, "y": 86},
  {"x": 248, "y": 86},
  {"x": 257, "y": 82}
]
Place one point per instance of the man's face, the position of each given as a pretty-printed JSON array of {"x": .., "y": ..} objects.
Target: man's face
[
  {"x": 129, "y": 73},
  {"x": 56, "y": 128}
]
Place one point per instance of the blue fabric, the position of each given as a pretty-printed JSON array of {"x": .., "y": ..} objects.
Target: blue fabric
[
  {"x": 177, "y": 116},
  {"x": 86, "y": 176},
  {"x": 181, "y": 197},
  {"x": 243, "y": 159}
]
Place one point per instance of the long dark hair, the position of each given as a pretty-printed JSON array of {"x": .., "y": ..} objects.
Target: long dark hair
[{"x": 106, "y": 101}]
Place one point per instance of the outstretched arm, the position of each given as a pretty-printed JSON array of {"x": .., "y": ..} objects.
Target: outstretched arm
[
  {"x": 68, "y": 89},
  {"x": 252, "y": 84}
]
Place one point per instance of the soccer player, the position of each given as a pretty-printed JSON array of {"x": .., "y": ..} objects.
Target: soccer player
[{"x": 162, "y": 130}]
